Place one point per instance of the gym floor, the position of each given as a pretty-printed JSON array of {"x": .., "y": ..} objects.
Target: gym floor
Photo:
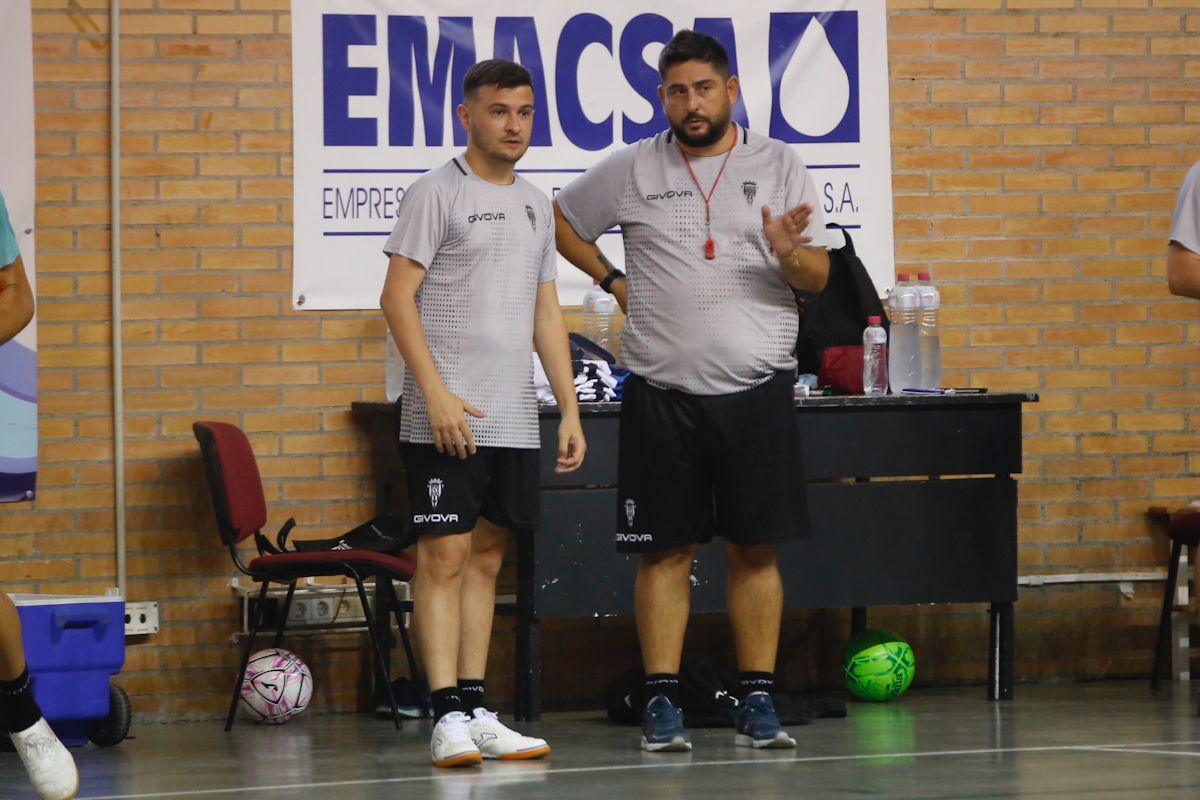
[{"x": 1115, "y": 739}]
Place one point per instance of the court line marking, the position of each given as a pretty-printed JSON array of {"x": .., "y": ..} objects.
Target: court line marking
[
  {"x": 1147, "y": 751},
  {"x": 515, "y": 777}
]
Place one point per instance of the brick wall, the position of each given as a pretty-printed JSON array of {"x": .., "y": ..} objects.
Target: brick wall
[{"x": 1037, "y": 147}]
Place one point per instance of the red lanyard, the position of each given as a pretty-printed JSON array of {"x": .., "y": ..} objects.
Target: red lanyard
[{"x": 710, "y": 248}]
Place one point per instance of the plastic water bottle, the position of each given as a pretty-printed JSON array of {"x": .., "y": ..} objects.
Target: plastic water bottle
[
  {"x": 904, "y": 349},
  {"x": 875, "y": 358},
  {"x": 393, "y": 370},
  {"x": 599, "y": 311},
  {"x": 931, "y": 341}
]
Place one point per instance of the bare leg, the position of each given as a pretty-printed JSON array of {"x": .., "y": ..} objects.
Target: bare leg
[
  {"x": 12, "y": 652},
  {"x": 662, "y": 600},
  {"x": 755, "y": 597},
  {"x": 437, "y": 592},
  {"x": 488, "y": 542}
]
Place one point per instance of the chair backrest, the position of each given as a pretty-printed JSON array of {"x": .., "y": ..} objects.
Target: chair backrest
[{"x": 233, "y": 480}]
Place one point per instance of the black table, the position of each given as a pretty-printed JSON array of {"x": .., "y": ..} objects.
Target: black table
[
  {"x": 911, "y": 500},
  {"x": 942, "y": 527}
]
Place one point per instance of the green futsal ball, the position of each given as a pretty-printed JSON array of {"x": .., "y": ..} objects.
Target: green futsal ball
[{"x": 878, "y": 665}]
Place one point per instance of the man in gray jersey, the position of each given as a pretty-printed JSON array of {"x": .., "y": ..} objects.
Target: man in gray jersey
[
  {"x": 1183, "y": 252},
  {"x": 470, "y": 284},
  {"x": 708, "y": 434}
]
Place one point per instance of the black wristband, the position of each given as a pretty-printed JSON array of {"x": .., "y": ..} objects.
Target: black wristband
[{"x": 607, "y": 282}]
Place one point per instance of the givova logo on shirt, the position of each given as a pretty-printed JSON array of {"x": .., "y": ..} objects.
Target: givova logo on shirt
[
  {"x": 486, "y": 216},
  {"x": 669, "y": 195}
]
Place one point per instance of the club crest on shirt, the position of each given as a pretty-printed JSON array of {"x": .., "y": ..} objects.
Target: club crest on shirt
[
  {"x": 532, "y": 217},
  {"x": 750, "y": 190}
]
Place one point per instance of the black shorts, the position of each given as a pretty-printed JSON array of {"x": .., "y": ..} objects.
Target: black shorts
[
  {"x": 694, "y": 465},
  {"x": 448, "y": 494}
]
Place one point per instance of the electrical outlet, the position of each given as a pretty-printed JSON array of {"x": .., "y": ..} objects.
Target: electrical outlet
[
  {"x": 141, "y": 618},
  {"x": 323, "y": 609}
]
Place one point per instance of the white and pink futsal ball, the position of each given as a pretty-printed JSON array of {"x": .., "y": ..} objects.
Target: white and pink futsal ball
[{"x": 277, "y": 686}]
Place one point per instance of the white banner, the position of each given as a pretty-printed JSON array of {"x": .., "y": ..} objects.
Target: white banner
[
  {"x": 18, "y": 358},
  {"x": 375, "y": 85}
]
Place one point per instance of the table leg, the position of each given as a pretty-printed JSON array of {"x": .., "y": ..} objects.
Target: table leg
[
  {"x": 1000, "y": 652},
  {"x": 858, "y": 620},
  {"x": 528, "y": 705}
]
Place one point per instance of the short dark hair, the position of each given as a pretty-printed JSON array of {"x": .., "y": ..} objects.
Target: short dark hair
[
  {"x": 495, "y": 72},
  {"x": 692, "y": 46}
]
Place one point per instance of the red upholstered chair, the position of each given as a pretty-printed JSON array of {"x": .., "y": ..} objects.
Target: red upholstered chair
[
  {"x": 241, "y": 511},
  {"x": 1183, "y": 528}
]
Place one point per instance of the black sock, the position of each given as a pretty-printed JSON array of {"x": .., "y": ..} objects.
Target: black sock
[
  {"x": 664, "y": 683},
  {"x": 18, "y": 709},
  {"x": 472, "y": 694},
  {"x": 750, "y": 682},
  {"x": 445, "y": 701}
]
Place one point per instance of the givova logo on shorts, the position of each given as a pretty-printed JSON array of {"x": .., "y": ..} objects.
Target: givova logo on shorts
[
  {"x": 630, "y": 514},
  {"x": 435, "y": 486}
]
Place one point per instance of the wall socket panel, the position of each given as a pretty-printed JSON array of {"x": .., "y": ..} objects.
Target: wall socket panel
[
  {"x": 141, "y": 618},
  {"x": 324, "y": 608}
]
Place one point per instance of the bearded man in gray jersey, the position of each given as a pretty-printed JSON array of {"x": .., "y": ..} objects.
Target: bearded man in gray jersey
[
  {"x": 470, "y": 283},
  {"x": 708, "y": 440}
]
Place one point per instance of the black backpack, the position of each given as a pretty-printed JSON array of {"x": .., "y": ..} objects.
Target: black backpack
[{"x": 837, "y": 314}]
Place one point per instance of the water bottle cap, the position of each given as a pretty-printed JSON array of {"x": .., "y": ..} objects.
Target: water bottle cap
[
  {"x": 902, "y": 276},
  {"x": 923, "y": 276},
  {"x": 873, "y": 320}
]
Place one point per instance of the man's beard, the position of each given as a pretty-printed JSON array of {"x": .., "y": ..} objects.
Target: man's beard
[{"x": 717, "y": 126}]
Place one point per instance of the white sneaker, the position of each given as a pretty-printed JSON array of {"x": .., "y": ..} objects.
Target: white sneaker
[
  {"x": 50, "y": 766},
  {"x": 451, "y": 745},
  {"x": 496, "y": 740}
]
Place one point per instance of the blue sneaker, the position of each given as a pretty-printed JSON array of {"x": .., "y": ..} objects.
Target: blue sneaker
[
  {"x": 758, "y": 724},
  {"x": 662, "y": 727}
]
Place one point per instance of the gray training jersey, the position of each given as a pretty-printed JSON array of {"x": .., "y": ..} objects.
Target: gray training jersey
[
  {"x": 1185, "y": 227},
  {"x": 706, "y": 327},
  {"x": 485, "y": 249}
]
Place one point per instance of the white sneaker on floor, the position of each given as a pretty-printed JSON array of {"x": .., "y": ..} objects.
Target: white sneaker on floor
[
  {"x": 49, "y": 764},
  {"x": 451, "y": 744},
  {"x": 496, "y": 740}
]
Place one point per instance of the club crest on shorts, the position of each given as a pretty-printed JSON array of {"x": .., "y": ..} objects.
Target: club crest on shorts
[
  {"x": 630, "y": 510},
  {"x": 750, "y": 190},
  {"x": 532, "y": 217},
  {"x": 435, "y": 491}
]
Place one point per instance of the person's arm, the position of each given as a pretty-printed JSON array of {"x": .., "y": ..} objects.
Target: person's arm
[
  {"x": 550, "y": 341},
  {"x": 588, "y": 206},
  {"x": 585, "y": 255},
  {"x": 1183, "y": 271},
  {"x": 804, "y": 267},
  {"x": 16, "y": 300},
  {"x": 451, "y": 432}
]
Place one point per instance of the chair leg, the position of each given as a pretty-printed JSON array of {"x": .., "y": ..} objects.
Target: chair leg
[
  {"x": 413, "y": 672},
  {"x": 383, "y": 666},
  {"x": 283, "y": 614},
  {"x": 1164, "y": 620},
  {"x": 237, "y": 687}
]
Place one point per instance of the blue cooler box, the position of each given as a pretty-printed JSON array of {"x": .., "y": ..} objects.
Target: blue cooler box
[{"x": 73, "y": 645}]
